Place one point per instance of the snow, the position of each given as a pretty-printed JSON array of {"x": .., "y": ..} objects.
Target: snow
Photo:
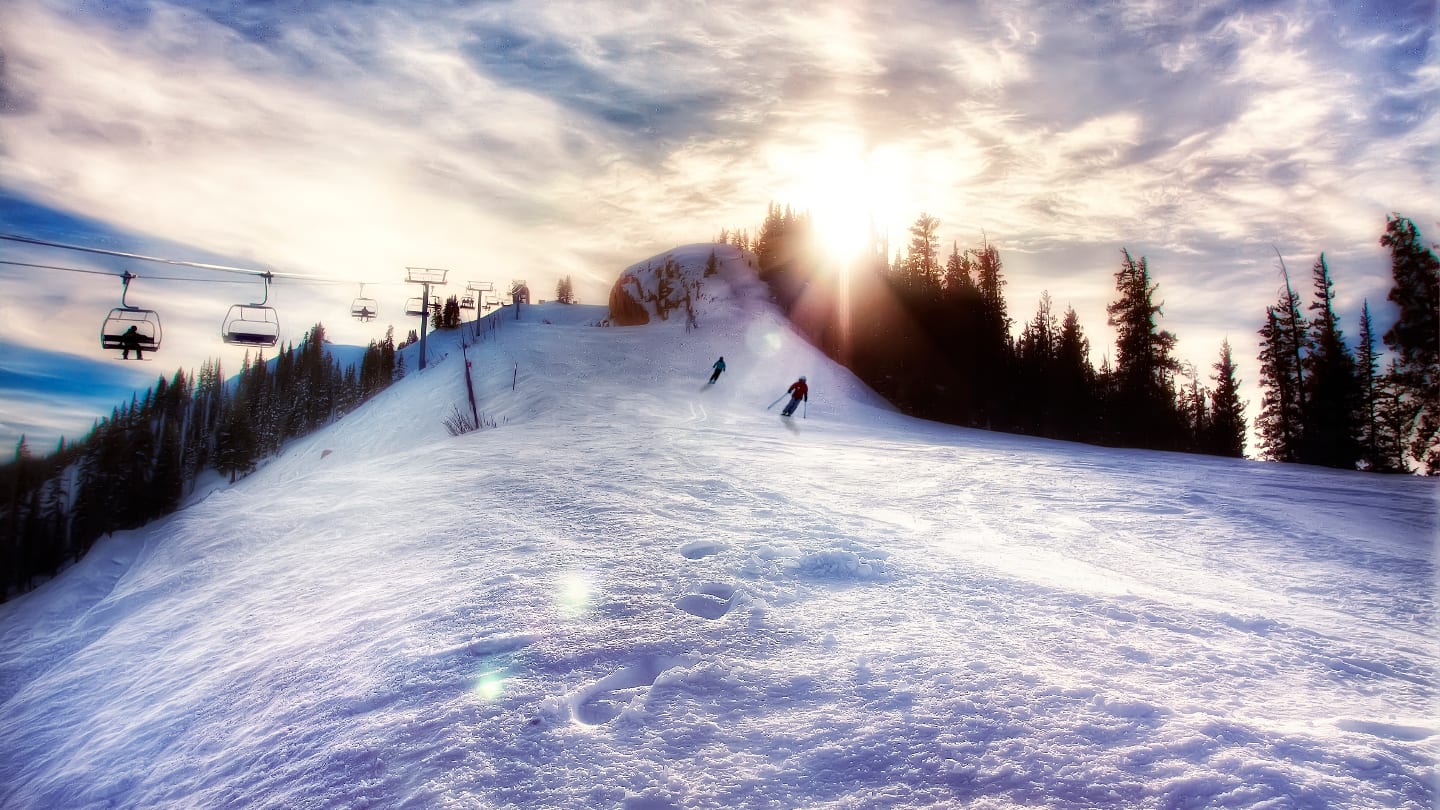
[{"x": 638, "y": 590}]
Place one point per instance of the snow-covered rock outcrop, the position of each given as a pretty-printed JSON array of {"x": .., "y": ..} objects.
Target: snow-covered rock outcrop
[{"x": 668, "y": 285}]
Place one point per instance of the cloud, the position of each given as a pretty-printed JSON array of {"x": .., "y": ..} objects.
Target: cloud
[
  {"x": 48, "y": 394},
  {"x": 524, "y": 140}
]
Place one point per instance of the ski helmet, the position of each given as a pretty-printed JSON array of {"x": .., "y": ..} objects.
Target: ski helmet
[{"x": 802, "y": 378}]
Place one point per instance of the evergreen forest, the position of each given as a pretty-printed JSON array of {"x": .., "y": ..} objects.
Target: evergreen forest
[
  {"x": 140, "y": 462},
  {"x": 939, "y": 341}
]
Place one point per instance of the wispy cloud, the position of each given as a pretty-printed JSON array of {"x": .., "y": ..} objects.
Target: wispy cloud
[{"x": 523, "y": 140}]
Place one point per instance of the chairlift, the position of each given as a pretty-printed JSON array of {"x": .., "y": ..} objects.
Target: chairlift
[
  {"x": 252, "y": 324},
  {"x": 118, "y": 323},
  {"x": 364, "y": 309},
  {"x": 475, "y": 293},
  {"x": 416, "y": 305}
]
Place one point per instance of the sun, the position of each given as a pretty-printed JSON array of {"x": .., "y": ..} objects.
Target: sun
[{"x": 849, "y": 200}]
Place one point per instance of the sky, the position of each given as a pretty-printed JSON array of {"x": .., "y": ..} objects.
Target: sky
[
  {"x": 341, "y": 142},
  {"x": 701, "y": 604}
]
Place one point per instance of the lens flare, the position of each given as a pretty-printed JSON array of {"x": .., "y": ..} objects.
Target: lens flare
[
  {"x": 491, "y": 684},
  {"x": 762, "y": 341},
  {"x": 573, "y": 594}
]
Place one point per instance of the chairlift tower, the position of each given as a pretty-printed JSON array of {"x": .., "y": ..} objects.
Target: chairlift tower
[
  {"x": 478, "y": 290},
  {"x": 519, "y": 294},
  {"x": 424, "y": 276}
]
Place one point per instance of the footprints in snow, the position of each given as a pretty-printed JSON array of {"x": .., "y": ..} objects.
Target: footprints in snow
[
  {"x": 712, "y": 601},
  {"x": 607, "y": 698},
  {"x": 697, "y": 549},
  {"x": 624, "y": 692}
]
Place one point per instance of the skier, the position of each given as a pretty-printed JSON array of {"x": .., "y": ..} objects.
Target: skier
[
  {"x": 719, "y": 367},
  {"x": 130, "y": 340},
  {"x": 798, "y": 391}
]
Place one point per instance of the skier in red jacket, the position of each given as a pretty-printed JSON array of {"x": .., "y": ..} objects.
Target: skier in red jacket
[{"x": 798, "y": 391}]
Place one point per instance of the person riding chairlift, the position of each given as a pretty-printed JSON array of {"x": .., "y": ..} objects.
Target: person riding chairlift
[{"x": 130, "y": 340}]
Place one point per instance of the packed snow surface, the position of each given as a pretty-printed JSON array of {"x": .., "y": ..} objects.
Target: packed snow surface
[{"x": 633, "y": 589}]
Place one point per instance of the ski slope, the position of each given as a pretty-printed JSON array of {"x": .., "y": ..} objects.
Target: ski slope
[{"x": 640, "y": 591}]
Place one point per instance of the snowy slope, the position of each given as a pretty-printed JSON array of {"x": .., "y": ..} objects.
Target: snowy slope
[{"x": 638, "y": 590}]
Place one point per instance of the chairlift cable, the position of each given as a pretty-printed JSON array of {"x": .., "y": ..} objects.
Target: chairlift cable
[
  {"x": 124, "y": 255},
  {"x": 122, "y": 273},
  {"x": 54, "y": 267},
  {"x": 178, "y": 262}
]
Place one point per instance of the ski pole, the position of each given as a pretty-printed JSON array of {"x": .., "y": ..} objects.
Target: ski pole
[
  {"x": 805, "y": 414},
  {"x": 776, "y": 402}
]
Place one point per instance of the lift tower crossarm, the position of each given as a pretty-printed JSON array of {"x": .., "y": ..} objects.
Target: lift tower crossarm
[{"x": 424, "y": 276}]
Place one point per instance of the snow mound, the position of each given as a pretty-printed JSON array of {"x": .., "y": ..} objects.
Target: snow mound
[{"x": 675, "y": 284}]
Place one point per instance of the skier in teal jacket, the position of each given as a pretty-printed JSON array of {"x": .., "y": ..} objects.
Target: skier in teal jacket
[{"x": 719, "y": 367}]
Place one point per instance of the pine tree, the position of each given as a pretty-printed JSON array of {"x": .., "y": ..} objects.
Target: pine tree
[
  {"x": 167, "y": 484},
  {"x": 1283, "y": 343},
  {"x": 957, "y": 281},
  {"x": 1330, "y": 435},
  {"x": 781, "y": 237},
  {"x": 565, "y": 288},
  {"x": 1194, "y": 407},
  {"x": 983, "y": 323},
  {"x": 995, "y": 317},
  {"x": 1225, "y": 434},
  {"x": 923, "y": 270},
  {"x": 1415, "y": 337},
  {"x": 1035, "y": 356},
  {"x": 1074, "y": 382},
  {"x": 236, "y": 447},
  {"x": 1395, "y": 417},
  {"x": 137, "y": 468},
  {"x": 1144, "y": 408},
  {"x": 53, "y": 524},
  {"x": 15, "y": 551},
  {"x": 1279, "y": 421},
  {"x": 446, "y": 315},
  {"x": 1367, "y": 372}
]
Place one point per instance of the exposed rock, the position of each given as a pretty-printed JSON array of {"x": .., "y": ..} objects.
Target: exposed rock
[{"x": 625, "y": 306}]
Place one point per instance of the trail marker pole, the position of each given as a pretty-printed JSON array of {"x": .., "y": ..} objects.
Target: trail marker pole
[{"x": 469, "y": 386}]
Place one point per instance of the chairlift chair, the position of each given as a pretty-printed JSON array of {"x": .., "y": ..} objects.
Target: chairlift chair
[
  {"x": 121, "y": 318},
  {"x": 415, "y": 306},
  {"x": 364, "y": 309},
  {"x": 252, "y": 324},
  {"x": 475, "y": 292}
]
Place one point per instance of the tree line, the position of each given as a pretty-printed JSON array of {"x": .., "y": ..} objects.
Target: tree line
[
  {"x": 1326, "y": 403},
  {"x": 138, "y": 464},
  {"x": 934, "y": 335}
]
